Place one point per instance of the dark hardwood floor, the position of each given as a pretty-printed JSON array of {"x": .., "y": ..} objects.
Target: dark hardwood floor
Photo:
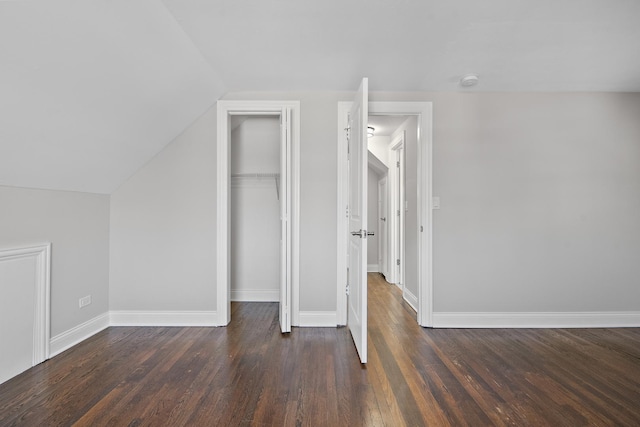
[{"x": 250, "y": 374}]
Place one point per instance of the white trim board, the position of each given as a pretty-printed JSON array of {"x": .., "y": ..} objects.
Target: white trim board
[
  {"x": 163, "y": 318},
  {"x": 42, "y": 303},
  {"x": 410, "y": 298},
  {"x": 373, "y": 268},
  {"x": 423, "y": 110},
  {"x": 318, "y": 319},
  {"x": 604, "y": 319},
  {"x": 255, "y": 295},
  {"x": 77, "y": 334},
  {"x": 291, "y": 110}
]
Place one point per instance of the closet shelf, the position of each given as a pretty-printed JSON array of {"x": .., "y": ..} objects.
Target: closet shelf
[
  {"x": 255, "y": 175},
  {"x": 274, "y": 176}
]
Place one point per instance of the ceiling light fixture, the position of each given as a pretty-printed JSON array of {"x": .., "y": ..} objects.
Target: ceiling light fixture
[
  {"x": 370, "y": 131},
  {"x": 469, "y": 80}
]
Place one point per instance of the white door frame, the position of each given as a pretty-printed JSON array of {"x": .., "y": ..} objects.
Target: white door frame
[
  {"x": 383, "y": 225},
  {"x": 397, "y": 217},
  {"x": 425, "y": 276},
  {"x": 223, "y": 286},
  {"x": 382, "y": 171}
]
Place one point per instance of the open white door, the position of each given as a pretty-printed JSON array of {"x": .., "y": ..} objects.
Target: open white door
[
  {"x": 285, "y": 220},
  {"x": 357, "y": 252}
]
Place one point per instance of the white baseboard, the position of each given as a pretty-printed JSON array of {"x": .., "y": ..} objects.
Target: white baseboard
[
  {"x": 318, "y": 319},
  {"x": 612, "y": 319},
  {"x": 164, "y": 318},
  {"x": 373, "y": 268},
  {"x": 255, "y": 295},
  {"x": 410, "y": 298},
  {"x": 77, "y": 334}
]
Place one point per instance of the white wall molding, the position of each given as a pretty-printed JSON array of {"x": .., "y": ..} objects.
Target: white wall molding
[
  {"x": 410, "y": 298},
  {"x": 255, "y": 295},
  {"x": 373, "y": 268},
  {"x": 289, "y": 112},
  {"x": 318, "y": 319},
  {"x": 164, "y": 318},
  {"x": 42, "y": 303},
  {"x": 423, "y": 110},
  {"x": 604, "y": 319},
  {"x": 77, "y": 334}
]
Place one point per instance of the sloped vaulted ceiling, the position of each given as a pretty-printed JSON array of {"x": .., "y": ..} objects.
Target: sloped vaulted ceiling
[
  {"x": 90, "y": 90},
  {"x": 414, "y": 45}
]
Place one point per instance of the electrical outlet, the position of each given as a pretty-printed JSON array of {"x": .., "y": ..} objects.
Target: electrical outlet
[{"x": 83, "y": 302}]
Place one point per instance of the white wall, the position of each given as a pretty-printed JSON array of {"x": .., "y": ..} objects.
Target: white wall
[
  {"x": 255, "y": 211},
  {"x": 163, "y": 226},
  {"x": 540, "y": 198},
  {"x": 540, "y": 202},
  {"x": 318, "y": 183},
  {"x": 255, "y": 145},
  {"x": 379, "y": 146},
  {"x": 163, "y": 218},
  {"x": 77, "y": 225}
]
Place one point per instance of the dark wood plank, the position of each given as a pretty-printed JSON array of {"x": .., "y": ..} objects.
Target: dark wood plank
[{"x": 250, "y": 374}]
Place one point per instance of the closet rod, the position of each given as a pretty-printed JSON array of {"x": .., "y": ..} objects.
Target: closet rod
[
  {"x": 255, "y": 175},
  {"x": 275, "y": 176}
]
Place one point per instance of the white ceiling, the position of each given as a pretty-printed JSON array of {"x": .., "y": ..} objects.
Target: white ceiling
[
  {"x": 91, "y": 90},
  {"x": 409, "y": 45}
]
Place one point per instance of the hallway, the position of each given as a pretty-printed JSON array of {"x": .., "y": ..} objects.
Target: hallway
[{"x": 250, "y": 374}]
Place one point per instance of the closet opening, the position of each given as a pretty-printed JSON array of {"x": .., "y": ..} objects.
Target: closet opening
[
  {"x": 258, "y": 206},
  {"x": 254, "y": 215}
]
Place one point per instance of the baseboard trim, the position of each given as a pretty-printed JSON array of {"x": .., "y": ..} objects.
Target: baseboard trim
[
  {"x": 318, "y": 319},
  {"x": 255, "y": 295},
  {"x": 77, "y": 334},
  {"x": 410, "y": 298},
  {"x": 164, "y": 318},
  {"x": 614, "y": 319},
  {"x": 373, "y": 268}
]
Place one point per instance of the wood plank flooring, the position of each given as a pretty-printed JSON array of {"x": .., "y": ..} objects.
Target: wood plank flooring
[{"x": 250, "y": 374}]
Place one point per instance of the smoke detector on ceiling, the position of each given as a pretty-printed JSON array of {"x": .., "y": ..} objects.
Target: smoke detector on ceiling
[{"x": 469, "y": 80}]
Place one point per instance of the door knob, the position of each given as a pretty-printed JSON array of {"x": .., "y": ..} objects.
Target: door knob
[
  {"x": 383, "y": 219},
  {"x": 370, "y": 233}
]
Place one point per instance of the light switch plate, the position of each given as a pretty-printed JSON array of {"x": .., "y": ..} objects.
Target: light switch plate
[{"x": 435, "y": 203}]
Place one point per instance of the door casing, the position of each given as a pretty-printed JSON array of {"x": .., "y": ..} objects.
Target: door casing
[
  {"x": 425, "y": 276},
  {"x": 277, "y": 108}
]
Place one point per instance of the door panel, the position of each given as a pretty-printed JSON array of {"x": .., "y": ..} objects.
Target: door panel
[{"x": 357, "y": 247}]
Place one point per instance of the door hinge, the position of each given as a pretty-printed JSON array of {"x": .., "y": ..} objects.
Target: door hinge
[
  {"x": 346, "y": 290},
  {"x": 421, "y": 229},
  {"x": 397, "y": 164},
  {"x": 398, "y": 212},
  {"x": 398, "y": 261},
  {"x": 347, "y": 132}
]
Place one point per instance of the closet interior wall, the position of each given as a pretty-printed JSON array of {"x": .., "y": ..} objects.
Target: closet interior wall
[{"x": 255, "y": 208}]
